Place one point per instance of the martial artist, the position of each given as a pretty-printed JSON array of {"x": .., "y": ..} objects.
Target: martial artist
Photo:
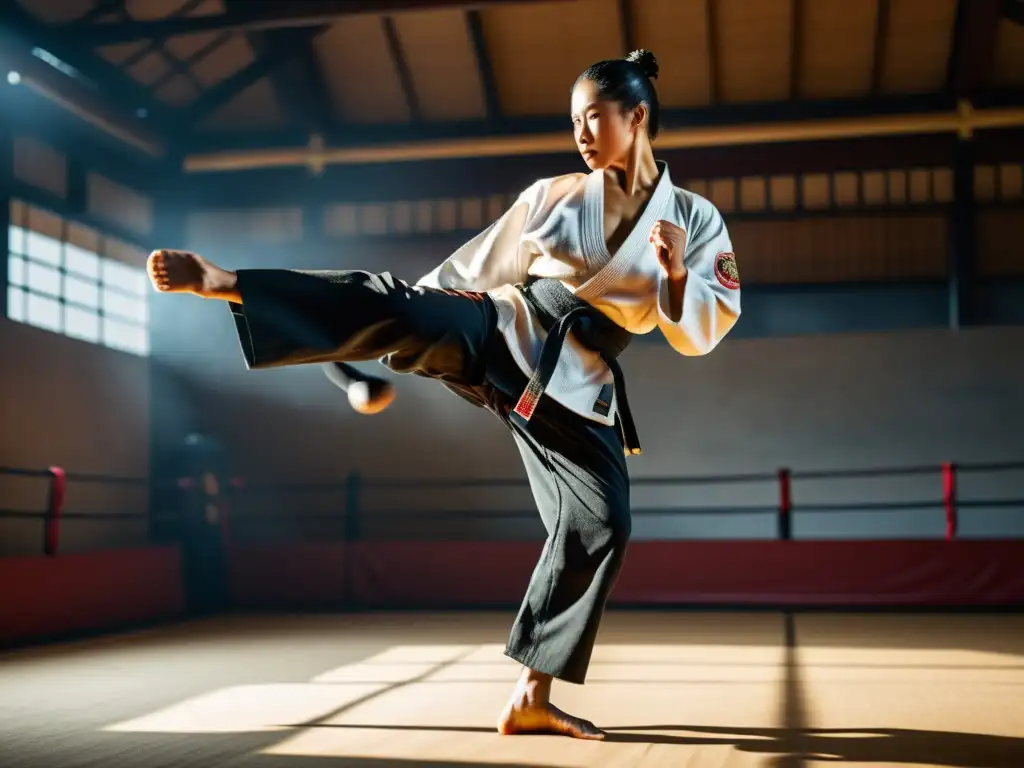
[{"x": 526, "y": 320}]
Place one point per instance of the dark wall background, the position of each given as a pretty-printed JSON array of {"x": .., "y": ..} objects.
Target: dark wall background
[
  {"x": 815, "y": 377},
  {"x": 64, "y": 402},
  {"x": 844, "y": 358}
]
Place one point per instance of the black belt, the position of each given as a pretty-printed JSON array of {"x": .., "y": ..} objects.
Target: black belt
[{"x": 560, "y": 311}]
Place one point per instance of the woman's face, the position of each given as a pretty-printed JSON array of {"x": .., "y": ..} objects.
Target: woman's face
[{"x": 603, "y": 130}]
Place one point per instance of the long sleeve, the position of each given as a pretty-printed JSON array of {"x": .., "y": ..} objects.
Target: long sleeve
[
  {"x": 495, "y": 257},
  {"x": 711, "y": 297}
]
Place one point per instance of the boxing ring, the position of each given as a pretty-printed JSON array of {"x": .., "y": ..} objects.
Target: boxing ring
[{"x": 351, "y": 643}]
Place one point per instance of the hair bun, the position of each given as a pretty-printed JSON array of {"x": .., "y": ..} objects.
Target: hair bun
[{"x": 646, "y": 61}]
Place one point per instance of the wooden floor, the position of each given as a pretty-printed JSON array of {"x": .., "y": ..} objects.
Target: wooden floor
[{"x": 685, "y": 690}]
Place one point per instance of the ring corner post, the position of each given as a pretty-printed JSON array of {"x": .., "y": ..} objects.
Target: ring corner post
[{"x": 785, "y": 515}]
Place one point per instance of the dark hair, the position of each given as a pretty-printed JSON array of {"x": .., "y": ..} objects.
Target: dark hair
[{"x": 628, "y": 82}]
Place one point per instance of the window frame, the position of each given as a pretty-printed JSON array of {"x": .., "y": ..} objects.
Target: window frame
[{"x": 19, "y": 223}]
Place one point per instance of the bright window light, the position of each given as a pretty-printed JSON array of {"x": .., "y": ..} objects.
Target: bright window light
[{"x": 61, "y": 287}]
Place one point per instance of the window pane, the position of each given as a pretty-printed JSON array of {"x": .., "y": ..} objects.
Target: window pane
[
  {"x": 125, "y": 336},
  {"x": 124, "y": 277},
  {"x": 42, "y": 311},
  {"x": 15, "y": 270},
  {"x": 141, "y": 343},
  {"x": 43, "y": 248},
  {"x": 125, "y": 307},
  {"x": 81, "y": 262},
  {"x": 16, "y": 240},
  {"x": 81, "y": 291},
  {"x": 82, "y": 324},
  {"x": 45, "y": 279},
  {"x": 16, "y": 304}
]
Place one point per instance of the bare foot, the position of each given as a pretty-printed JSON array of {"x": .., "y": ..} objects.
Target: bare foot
[
  {"x": 371, "y": 396},
  {"x": 186, "y": 272},
  {"x": 522, "y": 716}
]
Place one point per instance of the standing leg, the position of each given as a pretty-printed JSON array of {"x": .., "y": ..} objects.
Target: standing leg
[{"x": 578, "y": 474}]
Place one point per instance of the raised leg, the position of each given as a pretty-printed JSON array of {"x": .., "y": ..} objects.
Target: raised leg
[{"x": 334, "y": 317}]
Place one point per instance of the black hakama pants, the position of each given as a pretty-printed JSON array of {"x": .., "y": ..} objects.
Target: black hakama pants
[{"x": 576, "y": 467}]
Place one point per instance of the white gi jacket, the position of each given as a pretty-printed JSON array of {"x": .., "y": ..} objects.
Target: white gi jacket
[{"x": 555, "y": 229}]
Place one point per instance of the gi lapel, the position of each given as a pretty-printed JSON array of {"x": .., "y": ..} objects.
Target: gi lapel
[{"x": 635, "y": 244}]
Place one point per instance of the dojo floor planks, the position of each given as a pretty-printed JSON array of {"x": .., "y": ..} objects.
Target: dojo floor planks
[{"x": 722, "y": 690}]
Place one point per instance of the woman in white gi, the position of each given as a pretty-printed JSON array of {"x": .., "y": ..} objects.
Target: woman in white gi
[{"x": 526, "y": 320}]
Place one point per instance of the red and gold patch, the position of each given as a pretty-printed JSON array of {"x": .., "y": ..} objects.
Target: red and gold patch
[{"x": 726, "y": 271}]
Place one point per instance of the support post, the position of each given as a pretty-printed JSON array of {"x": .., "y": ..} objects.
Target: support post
[
  {"x": 6, "y": 192},
  {"x": 949, "y": 499},
  {"x": 785, "y": 518},
  {"x": 54, "y": 510}
]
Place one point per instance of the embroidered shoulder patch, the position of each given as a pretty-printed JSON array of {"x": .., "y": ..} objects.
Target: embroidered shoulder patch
[{"x": 726, "y": 271}]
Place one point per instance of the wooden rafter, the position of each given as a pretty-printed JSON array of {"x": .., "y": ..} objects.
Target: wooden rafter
[
  {"x": 714, "y": 61},
  {"x": 19, "y": 30},
  {"x": 797, "y": 11},
  {"x": 265, "y": 15},
  {"x": 292, "y": 44},
  {"x": 176, "y": 66},
  {"x": 1014, "y": 10},
  {"x": 972, "y": 55},
  {"x": 298, "y": 82},
  {"x": 398, "y": 57},
  {"x": 878, "y": 61},
  {"x": 626, "y": 20},
  {"x": 474, "y": 21},
  {"x": 192, "y": 59}
]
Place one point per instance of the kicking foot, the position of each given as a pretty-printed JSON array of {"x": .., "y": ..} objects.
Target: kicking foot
[
  {"x": 185, "y": 272},
  {"x": 371, "y": 395},
  {"x": 524, "y": 717}
]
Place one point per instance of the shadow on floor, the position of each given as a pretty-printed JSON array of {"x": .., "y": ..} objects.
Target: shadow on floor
[{"x": 886, "y": 746}]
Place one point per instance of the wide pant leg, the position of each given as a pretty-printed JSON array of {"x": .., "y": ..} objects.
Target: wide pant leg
[
  {"x": 292, "y": 317},
  {"x": 577, "y": 472},
  {"x": 576, "y": 467}
]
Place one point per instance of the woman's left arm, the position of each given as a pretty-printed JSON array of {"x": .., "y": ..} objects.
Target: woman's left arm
[{"x": 699, "y": 286}]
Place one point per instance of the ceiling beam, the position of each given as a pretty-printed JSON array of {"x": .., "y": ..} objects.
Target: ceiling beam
[
  {"x": 20, "y": 30},
  {"x": 961, "y": 120},
  {"x": 796, "y": 47},
  {"x": 103, "y": 8},
  {"x": 188, "y": 62},
  {"x": 290, "y": 45},
  {"x": 714, "y": 61},
  {"x": 82, "y": 101},
  {"x": 484, "y": 176},
  {"x": 264, "y": 15},
  {"x": 357, "y": 135},
  {"x": 298, "y": 83},
  {"x": 175, "y": 66},
  {"x": 1014, "y": 10},
  {"x": 626, "y": 11},
  {"x": 881, "y": 53},
  {"x": 474, "y": 20},
  {"x": 401, "y": 63},
  {"x": 972, "y": 56},
  {"x": 301, "y": 85}
]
